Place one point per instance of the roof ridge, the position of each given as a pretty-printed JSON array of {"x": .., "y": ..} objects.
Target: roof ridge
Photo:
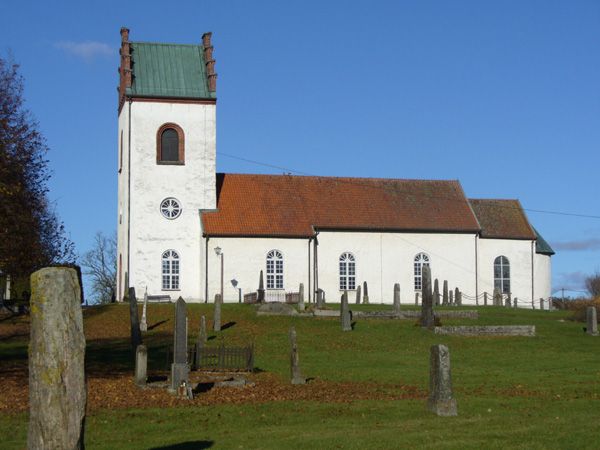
[
  {"x": 494, "y": 199},
  {"x": 165, "y": 44},
  {"x": 333, "y": 177}
]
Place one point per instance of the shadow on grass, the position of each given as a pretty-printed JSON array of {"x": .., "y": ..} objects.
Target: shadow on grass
[
  {"x": 203, "y": 387},
  {"x": 190, "y": 445},
  {"x": 157, "y": 324},
  {"x": 227, "y": 325}
]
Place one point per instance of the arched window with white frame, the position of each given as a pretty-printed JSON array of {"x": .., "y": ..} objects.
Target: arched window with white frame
[
  {"x": 170, "y": 270},
  {"x": 422, "y": 259},
  {"x": 347, "y": 272},
  {"x": 502, "y": 274},
  {"x": 274, "y": 270}
]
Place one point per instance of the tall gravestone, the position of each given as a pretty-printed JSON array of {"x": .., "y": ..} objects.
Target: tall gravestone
[
  {"x": 365, "y": 293},
  {"x": 436, "y": 293},
  {"x": 57, "y": 387},
  {"x": 497, "y": 297},
  {"x": 141, "y": 365},
  {"x": 144, "y": 321},
  {"x": 440, "y": 399},
  {"x": 320, "y": 298},
  {"x": 592, "y": 321},
  {"x": 451, "y": 298},
  {"x": 485, "y": 299},
  {"x": 134, "y": 322},
  {"x": 397, "y": 298},
  {"x": 358, "y": 294},
  {"x": 260, "y": 293},
  {"x": 515, "y": 302},
  {"x": 345, "y": 314},
  {"x": 445, "y": 293},
  {"x": 508, "y": 301},
  {"x": 458, "y": 298},
  {"x": 217, "y": 313},
  {"x": 427, "y": 317},
  {"x": 301, "y": 304},
  {"x": 296, "y": 374},
  {"x": 180, "y": 368}
]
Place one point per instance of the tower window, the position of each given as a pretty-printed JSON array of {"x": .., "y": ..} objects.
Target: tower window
[
  {"x": 170, "y": 144},
  {"x": 170, "y": 208}
]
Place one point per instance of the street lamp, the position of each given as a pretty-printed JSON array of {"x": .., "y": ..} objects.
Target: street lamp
[{"x": 219, "y": 252}]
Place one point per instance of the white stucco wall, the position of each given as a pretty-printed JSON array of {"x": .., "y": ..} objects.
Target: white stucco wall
[
  {"x": 543, "y": 279},
  {"x": 123, "y": 198},
  {"x": 193, "y": 184}
]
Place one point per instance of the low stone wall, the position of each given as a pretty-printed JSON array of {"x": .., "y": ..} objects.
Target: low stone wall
[
  {"x": 411, "y": 314},
  {"x": 326, "y": 313},
  {"x": 490, "y": 330}
]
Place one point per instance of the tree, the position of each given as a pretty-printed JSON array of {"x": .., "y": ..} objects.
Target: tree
[
  {"x": 31, "y": 236},
  {"x": 100, "y": 264},
  {"x": 592, "y": 284}
]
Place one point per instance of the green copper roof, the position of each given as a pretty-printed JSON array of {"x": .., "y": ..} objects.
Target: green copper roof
[
  {"x": 541, "y": 246},
  {"x": 168, "y": 70}
]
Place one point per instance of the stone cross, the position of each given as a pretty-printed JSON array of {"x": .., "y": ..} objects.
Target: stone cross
[
  {"x": 397, "y": 298},
  {"x": 57, "y": 387},
  {"x": 458, "y": 299},
  {"x": 485, "y": 299},
  {"x": 144, "y": 322},
  {"x": 451, "y": 298},
  {"x": 358, "y": 294},
  {"x": 301, "y": 305},
  {"x": 260, "y": 293},
  {"x": 345, "y": 314},
  {"x": 440, "y": 399},
  {"x": 297, "y": 377},
  {"x": 436, "y": 293},
  {"x": 217, "y": 313},
  {"x": 365, "y": 293},
  {"x": 141, "y": 365},
  {"x": 180, "y": 368},
  {"x": 445, "y": 293},
  {"x": 136, "y": 335},
  {"x": 592, "y": 321},
  {"x": 427, "y": 317}
]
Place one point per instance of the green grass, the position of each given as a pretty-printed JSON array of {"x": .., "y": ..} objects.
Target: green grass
[{"x": 540, "y": 392}]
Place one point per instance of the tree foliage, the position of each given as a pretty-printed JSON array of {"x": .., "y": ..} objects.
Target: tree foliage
[
  {"x": 592, "y": 284},
  {"x": 31, "y": 236},
  {"x": 100, "y": 264}
]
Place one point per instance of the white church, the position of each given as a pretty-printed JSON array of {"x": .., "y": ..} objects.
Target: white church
[{"x": 186, "y": 230}]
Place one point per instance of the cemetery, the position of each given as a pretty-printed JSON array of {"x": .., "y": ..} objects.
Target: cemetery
[{"x": 228, "y": 375}]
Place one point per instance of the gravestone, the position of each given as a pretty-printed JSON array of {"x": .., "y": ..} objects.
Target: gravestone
[
  {"x": 358, "y": 294},
  {"x": 542, "y": 304},
  {"x": 427, "y": 317},
  {"x": 345, "y": 314},
  {"x": 445, "y": 293},
  {"x": 144, "y": 322},
  {"x": 301, "y": 305},
  {"x": 440, "y": 399},
  {"x": 592, "y": 321},
  {"x": 397, "y": 298},
  {"x": 436, "y": 293},
  {"x": 217, "y": 313},
  {"x": 451, "y": 298},
  {"x": 485, "y": 299},
  {"x": 201, "y": 340},
  {"x": 416, "y": 299},
  {"x": 141, "y": 365},
  {"x": 296, "y": 374},
  {"x": 260, "y": 293},
  {"x": 57, "y": 387},
  {"x": 320, "y": 298},
  {"x": 180, "y": 368},
  {"x": 136, "y": 335},
  {"x": 515, "y": 302},
  {"x": 458, "y": 299},
  {"x": 365, "y": 293},
  {"x": 497, "y": 297}
]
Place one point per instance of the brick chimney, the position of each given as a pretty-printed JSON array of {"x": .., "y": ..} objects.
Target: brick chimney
[
  {"x": 209, "y": 61},
  {"x": 125, "y": 67}
]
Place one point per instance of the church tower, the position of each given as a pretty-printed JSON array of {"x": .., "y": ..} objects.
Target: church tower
[{"x": 166, "y": 165}]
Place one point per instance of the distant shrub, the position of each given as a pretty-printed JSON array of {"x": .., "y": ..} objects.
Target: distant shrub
[{"x": 579, "y": 307}]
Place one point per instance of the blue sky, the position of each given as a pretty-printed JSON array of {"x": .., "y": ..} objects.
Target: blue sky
[{"x": 503, "y": 96}]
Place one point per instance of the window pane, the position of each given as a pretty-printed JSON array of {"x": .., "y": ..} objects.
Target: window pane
[{"x": 169, "y": 145}]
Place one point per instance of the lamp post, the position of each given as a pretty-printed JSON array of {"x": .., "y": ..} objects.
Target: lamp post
[{"x": 219, "y": 252}]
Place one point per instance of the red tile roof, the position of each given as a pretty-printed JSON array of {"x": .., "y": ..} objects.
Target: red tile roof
[
  {"x": 294, "y": 206},
  {"x": 503, "y": 219}
]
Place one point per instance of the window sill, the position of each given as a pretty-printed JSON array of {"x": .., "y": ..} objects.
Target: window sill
[
  {"x": 170, "y": 163},
  {"x": 170, "y": 290}
]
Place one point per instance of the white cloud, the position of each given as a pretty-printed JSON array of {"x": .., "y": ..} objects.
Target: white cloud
[{"x": 87, "y": 50}]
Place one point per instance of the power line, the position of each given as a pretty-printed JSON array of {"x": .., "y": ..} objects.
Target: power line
[{"x": 288, "y": 170}]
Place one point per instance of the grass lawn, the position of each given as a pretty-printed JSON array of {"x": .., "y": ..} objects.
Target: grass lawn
[{"x": 540, "y": 392}]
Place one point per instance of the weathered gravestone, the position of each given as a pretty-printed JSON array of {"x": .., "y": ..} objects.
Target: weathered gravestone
[
  {"x": 592, "y": 321},
  {"x": 57, "y": 387},
  {"x": 358, "y": 294},
  {"x": 365, "y": 293},
  {"x": 180, "y": 368},
  {"x": 136, "y": 335},
  {"x": 397, "y": 298},
  {"x": 440, "y": 399},
  {"x": 201, "y": 340},
  {"x": 345, "y": 314},
  {"x": 436, "y": 293},
  {"x": 458, "y": 297},
  {"x": 217, "y": 313},
  {"x": 445, "y": 293},
  {"x": 260, "y": 293},
  {"x": 297, "y": 377},
  {"x": 508, "y": 302},
  {"x": 485, "y": 299},
  {"x": 427, "y": 317},
  {"x": 451, "y": 298},
  {"x": 141, "y": 365},
  {"x": 301, "y": 305},
  {"x": 144, "y": 322},
  {"x": 320, "y": 298},
  {"x": 497, "y": 297},
  {"x": 515, "y": 301}
]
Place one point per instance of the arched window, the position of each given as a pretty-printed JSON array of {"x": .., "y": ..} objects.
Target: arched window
[
  {"x": 274, "y": 270},
  {"x": 420, "y": 260},
  {"x": 502, "y": 274},
  {"x": 170, "y": 270},
  {"x": 170, "y": 144},
  {"x": 347, "y": 271}
]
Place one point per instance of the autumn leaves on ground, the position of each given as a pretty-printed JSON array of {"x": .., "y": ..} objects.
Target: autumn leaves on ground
[{"x": 380, "y": 367}]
